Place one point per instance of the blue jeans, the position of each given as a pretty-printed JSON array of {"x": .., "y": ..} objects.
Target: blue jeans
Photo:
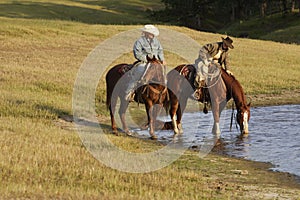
[{"x": 136, "y": 74}]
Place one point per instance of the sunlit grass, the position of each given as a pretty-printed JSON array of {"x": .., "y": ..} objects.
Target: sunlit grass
[
  {"x": 91, "y": 12},
  {"x": 43, "y": 157}
]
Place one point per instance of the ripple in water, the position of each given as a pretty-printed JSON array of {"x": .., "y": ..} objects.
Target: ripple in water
[{"x": 274, "y": 135}]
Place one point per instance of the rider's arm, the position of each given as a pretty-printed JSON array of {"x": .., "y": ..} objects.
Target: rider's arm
[
  {"x": 226, "y": 61},
  {"x": 160, "y": 52},
  {"x": 138, "y": 51}
]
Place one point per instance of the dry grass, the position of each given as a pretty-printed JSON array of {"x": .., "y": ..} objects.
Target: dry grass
[{"x": 38, "y": 159}]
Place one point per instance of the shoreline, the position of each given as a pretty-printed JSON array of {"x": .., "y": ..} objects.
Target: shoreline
[
  {"x": 254, "y": 179},
  {"x": 285, "y": 98}
]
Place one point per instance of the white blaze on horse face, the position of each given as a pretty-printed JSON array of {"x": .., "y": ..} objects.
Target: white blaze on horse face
[{"x": 245, "y": 122}]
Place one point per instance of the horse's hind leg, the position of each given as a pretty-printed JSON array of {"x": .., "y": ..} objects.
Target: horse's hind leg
[
  {"x": 112, "y": 107},
  {"x": 179, "y": 113},
  {"x": 122, "y": 111}
]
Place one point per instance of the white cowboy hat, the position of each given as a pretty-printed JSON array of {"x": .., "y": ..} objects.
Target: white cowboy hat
[{"x": 149, "y": 28}]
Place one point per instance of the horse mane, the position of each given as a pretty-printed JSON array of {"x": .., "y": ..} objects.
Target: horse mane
[
  {"x": 155, "y": 71},
  {"x": 235, "y": 83}
]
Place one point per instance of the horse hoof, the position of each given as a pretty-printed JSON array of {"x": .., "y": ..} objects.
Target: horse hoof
[
  {"x": 128, "y": 133},
  {"x": 244, "y": 135},
  {"x": 115, "y": 132},
  {"x": 176, "y": 132},
  {"x": 144, "y": 127},
  {"x": 153, "y": 137}
]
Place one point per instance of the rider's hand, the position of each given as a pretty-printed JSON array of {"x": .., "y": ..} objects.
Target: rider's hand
[
  {"x": 206, "y": 62},
  {"x": 229, "y": 72},
  {"x": 150, "y": 56}
]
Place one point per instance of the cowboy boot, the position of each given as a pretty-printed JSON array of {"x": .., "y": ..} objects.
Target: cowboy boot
[
  {"x": 130, "y": 96},
  {"x": 197, "y": 94}
]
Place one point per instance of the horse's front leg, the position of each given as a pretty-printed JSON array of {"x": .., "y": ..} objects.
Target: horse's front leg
[
  {"x": 216, "y": 114},
  {"x": 122, "y": 111},
  {"x": 173, "y": 110},
  {"x": 149, "y": 109}
]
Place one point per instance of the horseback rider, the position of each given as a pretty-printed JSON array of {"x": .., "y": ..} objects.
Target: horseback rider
[
  {"x": 146, "y": 47},
  {"x": 211, "y": 54}
]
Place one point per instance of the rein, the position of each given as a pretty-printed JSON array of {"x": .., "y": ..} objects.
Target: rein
[
  {"x": 231, "y": 119},
  {"x": 156, "y": 91},
  {"x": 232, "y": 114}
]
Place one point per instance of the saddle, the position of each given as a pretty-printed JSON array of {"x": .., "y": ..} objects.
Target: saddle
[
  {"x": 189, "y": 72},
  {"x": 126, "y": 67}
]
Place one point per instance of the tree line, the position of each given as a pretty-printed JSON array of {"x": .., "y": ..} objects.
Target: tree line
[{"x": 212, "y": 15}]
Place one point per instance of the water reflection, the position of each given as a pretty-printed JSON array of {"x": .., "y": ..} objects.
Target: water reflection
[{"x": 274, "y": 135}]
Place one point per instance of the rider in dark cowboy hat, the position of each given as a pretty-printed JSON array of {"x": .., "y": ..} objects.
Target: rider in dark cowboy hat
[
  {"x": 212, "y": 54},
  {"x": 146, "y": 46}
]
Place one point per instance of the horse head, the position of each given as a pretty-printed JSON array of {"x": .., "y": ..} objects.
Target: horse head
[
  {"x": 155, "y": 71},
  {"x": 243, "y": 117}
]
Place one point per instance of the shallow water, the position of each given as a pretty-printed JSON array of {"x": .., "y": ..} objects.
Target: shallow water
[{"x": 274, "y": 135}]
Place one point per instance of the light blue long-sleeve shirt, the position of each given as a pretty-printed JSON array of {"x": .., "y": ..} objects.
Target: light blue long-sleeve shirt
[{"x": 143, "y": 46}]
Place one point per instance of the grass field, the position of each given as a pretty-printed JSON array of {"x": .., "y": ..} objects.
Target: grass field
[
  {"x": 275, "y": 27},
  {"x": 42, "y": 156}
]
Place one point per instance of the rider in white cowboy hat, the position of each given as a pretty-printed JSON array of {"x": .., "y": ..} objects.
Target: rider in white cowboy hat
[{"x": 146, "y": 46}]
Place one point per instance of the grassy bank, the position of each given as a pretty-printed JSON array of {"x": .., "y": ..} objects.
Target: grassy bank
[
  {"x": 276, "y": 27},
  {"x": 42, "y": 156},
  {"x": 90, "y": 12}
]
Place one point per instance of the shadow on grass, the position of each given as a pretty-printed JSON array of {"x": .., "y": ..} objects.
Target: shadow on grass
[{"x": 97, "y": 15}]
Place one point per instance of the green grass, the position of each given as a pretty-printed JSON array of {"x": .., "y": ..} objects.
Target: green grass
[
  {"x": 42, "y": 156},
  {"x": 275, "y": 27},
  {"x": 91, "y": 12}
]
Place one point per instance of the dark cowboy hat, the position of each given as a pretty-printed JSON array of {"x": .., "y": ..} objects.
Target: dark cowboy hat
[{"x": 228, "y": 41}]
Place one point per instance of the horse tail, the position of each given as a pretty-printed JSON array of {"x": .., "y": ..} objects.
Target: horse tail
[
  {"x": 166, "y": 103},
  {"x": 108, "y": 94}
]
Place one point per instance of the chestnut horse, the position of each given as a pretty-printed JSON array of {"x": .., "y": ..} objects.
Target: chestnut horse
[
  {"x": 180, "y": 91},
  {"x": 152, "y": 91}
]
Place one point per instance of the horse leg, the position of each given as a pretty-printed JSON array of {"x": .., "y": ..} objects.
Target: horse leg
[
  {"x": 216, "y": 114},
  {"x": 179, "y": 113},
  {"x": 122, "y": 111},
  {"x": 149, "y": 109},
  {"x": 156, "y": 110},
  {"x": 112, "y": 108},
  {"x": 173, "y": 110}
]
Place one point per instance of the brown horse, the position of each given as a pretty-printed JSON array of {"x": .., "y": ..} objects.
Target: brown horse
[
  {"x": 180, "y": 84},
  {"x": 152, "y": 91}
]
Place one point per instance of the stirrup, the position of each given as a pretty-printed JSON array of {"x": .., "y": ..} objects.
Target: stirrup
[
  {"x": 130, "y": 97},
  {"x": 197, "y": 94}
]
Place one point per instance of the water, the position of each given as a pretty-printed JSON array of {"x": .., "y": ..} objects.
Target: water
[{"x": 274, "y": 135}]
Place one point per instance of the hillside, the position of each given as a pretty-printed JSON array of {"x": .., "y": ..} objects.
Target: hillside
[
  {"x": 276, "y": 27},
  {"x": 90, "y": 12},
  {"x": 41, "y": 153}
]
